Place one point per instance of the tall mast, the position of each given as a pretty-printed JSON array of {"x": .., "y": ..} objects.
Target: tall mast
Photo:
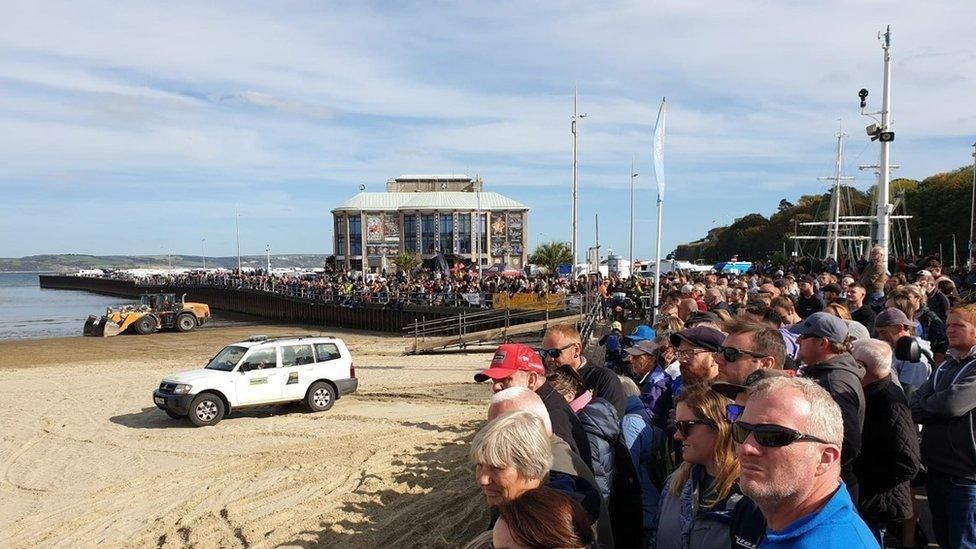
[
  {"x": 833, "y": 243},
  {"x": 884, "y": 192}
]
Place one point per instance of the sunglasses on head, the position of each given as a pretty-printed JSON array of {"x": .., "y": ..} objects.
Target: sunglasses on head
[
  {"x": 733, "y": 412},
  {"x": 554, "y": 352},
  {"x": 731, "y": 354},
  {"x": 684, "y": 427},
  {"x": 769, "y": 435}
]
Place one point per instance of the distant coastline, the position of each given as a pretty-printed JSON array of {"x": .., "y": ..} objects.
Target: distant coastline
[{"x": 66, "y": 263}]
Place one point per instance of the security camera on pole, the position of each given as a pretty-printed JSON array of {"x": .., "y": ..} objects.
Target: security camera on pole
[{"x": 881, "y": 131}]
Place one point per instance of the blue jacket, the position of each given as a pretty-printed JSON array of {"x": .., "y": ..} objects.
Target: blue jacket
[
  {"x": 655, "y": 393},
  {"x": 648, "y": 451},
  {"x": 599, "y": 419},
  {"x": 836, "y": 525}
]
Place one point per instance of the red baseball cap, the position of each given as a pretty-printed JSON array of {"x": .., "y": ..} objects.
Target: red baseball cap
[{"x": 510, "y": 358}]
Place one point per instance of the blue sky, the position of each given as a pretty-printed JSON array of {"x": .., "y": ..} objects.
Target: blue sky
[{"x": 136, "y": 128}]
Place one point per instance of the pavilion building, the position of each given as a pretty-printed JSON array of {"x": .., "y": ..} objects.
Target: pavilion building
[{"x": 427, "y": 215}]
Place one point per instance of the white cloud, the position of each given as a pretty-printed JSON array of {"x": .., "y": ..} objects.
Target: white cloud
[{"x": 262, "y": 96}]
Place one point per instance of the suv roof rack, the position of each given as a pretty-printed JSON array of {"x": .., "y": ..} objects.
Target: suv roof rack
[{"x": 265, "y": 339}]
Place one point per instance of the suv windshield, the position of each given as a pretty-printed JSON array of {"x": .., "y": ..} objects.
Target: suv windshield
[{"x": 227, "y": 358}]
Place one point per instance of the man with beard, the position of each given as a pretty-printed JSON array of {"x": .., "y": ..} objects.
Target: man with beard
[
  {"x": 749, "y": 346},
  {"x": 788, "y": 443}
]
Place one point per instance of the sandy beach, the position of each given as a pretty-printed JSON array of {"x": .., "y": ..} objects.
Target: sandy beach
[{"x": 86, "y": 459}]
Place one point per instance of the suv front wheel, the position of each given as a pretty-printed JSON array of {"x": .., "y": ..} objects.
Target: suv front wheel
[
  {"x": 321, "y": 396},
  {"x": 206, "y": 409}
]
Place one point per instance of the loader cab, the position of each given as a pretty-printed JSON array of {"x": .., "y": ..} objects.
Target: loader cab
[{"x": 159, "y": 302}]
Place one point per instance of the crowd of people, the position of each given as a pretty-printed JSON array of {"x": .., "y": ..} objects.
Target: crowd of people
[
  {"x": 423, "y": 287},
  {"x": 769, "y": 409}
]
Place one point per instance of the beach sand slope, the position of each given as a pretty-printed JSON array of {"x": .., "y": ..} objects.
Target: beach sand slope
[{"x": 86, "y": 459}]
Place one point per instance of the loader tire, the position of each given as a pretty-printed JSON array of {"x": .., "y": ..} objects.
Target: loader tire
[
  {"x": 145, "y": 325},
  {"x": 186, "y": 322}
]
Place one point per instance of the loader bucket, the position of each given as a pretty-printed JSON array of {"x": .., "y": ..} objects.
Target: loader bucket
[
  {"x": 91, "y": 326},
  {"x": 100, "y": 327},
  {"x": 109, "y": 328}
]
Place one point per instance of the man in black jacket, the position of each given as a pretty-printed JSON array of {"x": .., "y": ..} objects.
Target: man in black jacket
[
  {"x": 860, "y": 311},
  {"x": 518, "y": 365},
  {"x": 945, "y": 405},
  {"x": 823, "y": 351},
  {"x": 562, "y": 345},
  {"x": 889, "y": 457},
  {"x": 808, "y": 302}
]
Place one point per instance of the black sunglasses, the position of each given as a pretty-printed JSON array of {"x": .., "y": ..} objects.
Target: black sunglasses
[
  {"x": 731, "y": 354},
  {"x": 684, "y": 427},
  {"x": 769, "y": 435},
  {"x": 555, "y": 352},
  {"x": 733, "y": 412}
]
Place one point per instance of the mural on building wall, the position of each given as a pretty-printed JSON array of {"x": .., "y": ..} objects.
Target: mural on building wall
[
  {"x": 382, "y": 234},
  {"x": 498, "y": 232},
  {"x": 498, "y": 225},
  {"x": 382, "y": 249},
  {"x": 515, "y": 233},
  {"x": 374, "y": 228},
  {"x": 391, "y": 227}
]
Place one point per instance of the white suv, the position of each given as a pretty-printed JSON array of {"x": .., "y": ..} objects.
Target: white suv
[{"x": 261, "y": 371}]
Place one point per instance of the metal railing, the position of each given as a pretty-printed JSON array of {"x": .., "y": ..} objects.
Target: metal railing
[{"x": 467, "y": 323}]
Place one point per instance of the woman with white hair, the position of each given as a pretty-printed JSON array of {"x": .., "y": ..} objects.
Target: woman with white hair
[
  {"x": 889, "y": 457},
  {"x": 512, "y": 455}
]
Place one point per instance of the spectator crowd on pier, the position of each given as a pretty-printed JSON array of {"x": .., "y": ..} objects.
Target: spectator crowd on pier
[
  {"x": 781, "y": 407},
  {"x": 423, "y": 287}
]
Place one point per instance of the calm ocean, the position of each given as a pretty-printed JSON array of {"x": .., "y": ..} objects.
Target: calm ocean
[{"x": 28, "y": 312}]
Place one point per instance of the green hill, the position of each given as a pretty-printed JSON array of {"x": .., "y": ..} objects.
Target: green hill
[{"x": 939, "y": 205}]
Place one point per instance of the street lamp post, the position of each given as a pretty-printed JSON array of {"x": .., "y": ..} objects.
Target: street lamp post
[
  {"x": 576, "y": 117},
  {"x": 204, "y": 248},
  {"x": 237, "y": 225},
  {"x": 267, "y": 250},
  {"x": 633, "y": 175}
]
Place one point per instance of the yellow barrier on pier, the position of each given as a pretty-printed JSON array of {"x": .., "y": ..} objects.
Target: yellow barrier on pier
[{"x": 529, "y": 302}]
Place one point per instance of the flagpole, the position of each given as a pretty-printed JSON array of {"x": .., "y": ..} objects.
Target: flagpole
[{"x": 659, "y": 127}]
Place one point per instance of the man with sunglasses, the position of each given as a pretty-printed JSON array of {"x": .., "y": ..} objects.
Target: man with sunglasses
[
  {"x": 518, "y": 365},
  {"x": 748, "y": 346},
  {"x": 788, "y": 441},
  {"x": 823, "y": 352},
  {"x": 562, "y": 345}
]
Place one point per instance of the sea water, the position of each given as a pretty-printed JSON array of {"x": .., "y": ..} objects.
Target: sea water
[{"x": 29, "y": 312}]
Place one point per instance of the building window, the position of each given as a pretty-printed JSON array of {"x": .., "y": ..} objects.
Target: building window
[
  {"x": 410, "y": 233},
  {"x": 464, "y": 234},
  {"x": 340, "y": 232},
  {"x": 447, "y": 234},
  {"x": 481, "y": 228},
  {"x": 428, "y": 236},
  {"x": 355, "y": 235}
]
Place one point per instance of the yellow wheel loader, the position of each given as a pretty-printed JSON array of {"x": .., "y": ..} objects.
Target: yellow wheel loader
[{"x": 156, "y": 312}]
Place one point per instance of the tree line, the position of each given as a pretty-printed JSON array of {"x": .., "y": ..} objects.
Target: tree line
[{"x": 939, "y": 205}]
